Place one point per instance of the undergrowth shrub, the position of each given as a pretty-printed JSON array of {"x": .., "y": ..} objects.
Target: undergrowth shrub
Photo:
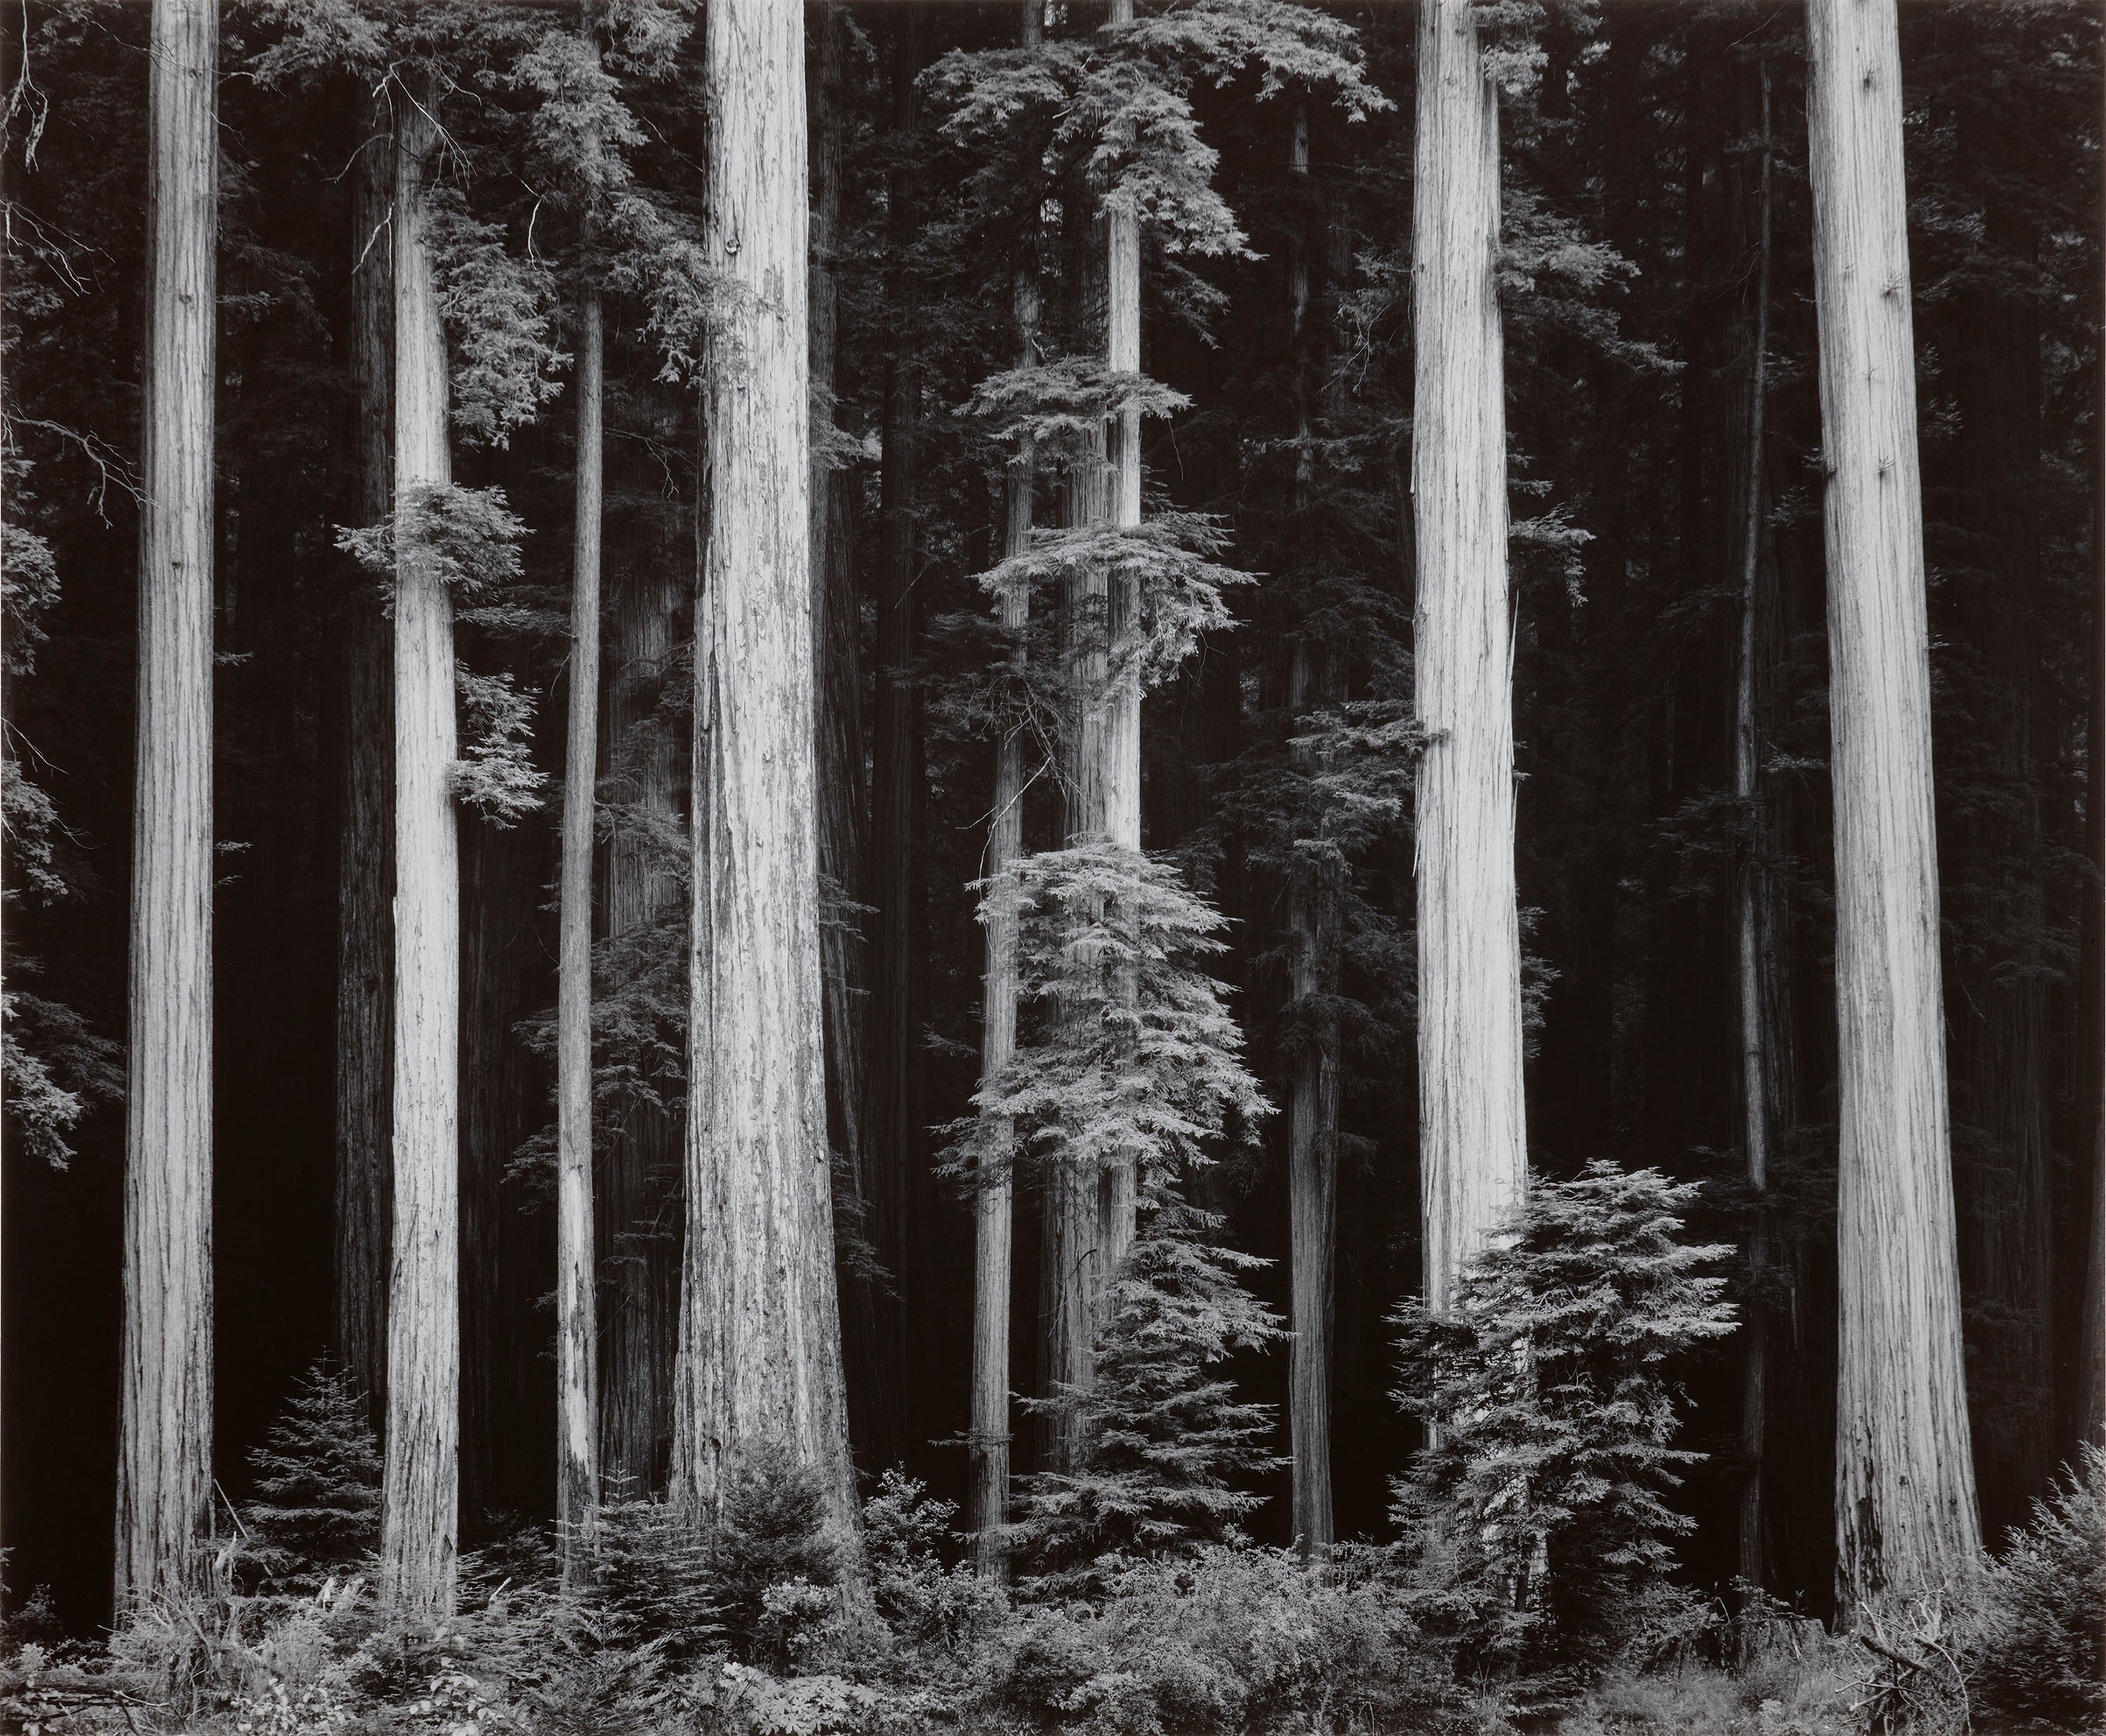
[
  {"x": 773, "y": 1562},
  {"x": 1541, "y": 1536},
  {"x": 316, "y": 1513},
  {"x": 2036, "y": 1649}
]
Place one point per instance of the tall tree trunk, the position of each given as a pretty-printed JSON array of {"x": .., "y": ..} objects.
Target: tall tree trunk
[
  {"x": 894, "y": 1124},
  {"x": 1998, "y": 1006},
  {"x": 1472, "y": 1154},
  {"x": 164, "y": 1445},
  {"x": 1312, "y": 1118},
  {"x": 1071, "y": 1268},
  {"x": 995, "y": 1200},
  {"x": 761, "y": 1357},
  {"x": 419, "y": 1516},
  {"x": 873, "y": 1397},
  {"x": 1904, "y": 1510},
  {"x": 1748, "y": 896},
  {"x": 577, "y": 1398},
  {"x": 1119, "y": 1194},
  {"x": 366, "y": 881},
  {"x": 639, "y": 1204}
]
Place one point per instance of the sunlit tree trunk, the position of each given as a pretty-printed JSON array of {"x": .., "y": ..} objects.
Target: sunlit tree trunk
[
  {"x": 1472, "y": 1154},
  {"x": 1905, "y": 1511},
  {"x": 577, "y": 1398},
  {"x": 995, "y": 1200},
  {"x": 164, "y": 1443},
  {"x": 419, "y": 1520},
  {"x": 760, "y": 1327},
  {"x": 366, "y": 878}
]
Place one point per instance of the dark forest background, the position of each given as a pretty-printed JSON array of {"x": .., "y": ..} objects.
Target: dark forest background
[{"x": 1630, "y": 226}]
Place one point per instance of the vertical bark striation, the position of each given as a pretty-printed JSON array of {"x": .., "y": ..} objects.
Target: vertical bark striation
[
  {"x": 420, "y": 1479},
  {"x": 1472, "y": 1153},
  {"x": 577, "y": 1399},
  {"x": 164, "y": 1444},
  {"x": 760, "y": 1327},
  {"x": 365, "y": 939},
  {"x": 1904, "y": 1509}
]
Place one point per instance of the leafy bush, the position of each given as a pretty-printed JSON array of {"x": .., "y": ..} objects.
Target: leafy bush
[
  {"x": 1538, "y": 1513},
  {"x": 773, "y": 1561},
  {"x": 928, "y": 1603},
  {"x": 2038, "y": 1653}
]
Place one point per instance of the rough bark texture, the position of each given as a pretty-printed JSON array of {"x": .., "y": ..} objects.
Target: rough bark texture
[
  {"x": 420, "y": 1479},
  {"x": 987, "y": 1506},
  {"x": 1904, "y": 1509},
  {"x": 760, "y": 1327},
  {"x": 164, "y": 1445},
  {"x": 898, "y": 949},
  {"x": 366, "y": 848},
  {"x": 873, "y": 1423},
  {"x": 577, "y": 1399},
  {"x": 1312, "y": 1110},
  {"x": 1472, "y": 1154}
]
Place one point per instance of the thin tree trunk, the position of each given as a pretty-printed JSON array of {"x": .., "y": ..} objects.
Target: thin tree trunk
[
  {"x": 873, "y": 1398},
  {"x": 760, "y": 1359},
  {"x": 638, "y": 1205},
  {"x": 366, "y": 937},
  {"x": 1747, "y": 897},
  {"x": 994, "y": 1202},
  {"x": 1118, "y": 1196},
  {"x": 1904, "y": 1510},
  {"x": 1472, "y": 1153},
  {"x": 1312, "y": 1118},
  {"x": 577, "y": 1398},
  {"x": 894, "y": 1124},
  {"x": 164, "y": 1445},
  {"x": 420, "y": 1517}
]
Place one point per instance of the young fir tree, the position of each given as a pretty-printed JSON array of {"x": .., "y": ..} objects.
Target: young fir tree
[
  {"x": 316, "y": 1509},
  {"x": 1129, "y": 1055},
  {"x": 1540, "y": 1507}
]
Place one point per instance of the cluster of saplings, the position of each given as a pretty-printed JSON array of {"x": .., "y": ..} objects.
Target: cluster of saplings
[{"x": 1531, "y": 1584}]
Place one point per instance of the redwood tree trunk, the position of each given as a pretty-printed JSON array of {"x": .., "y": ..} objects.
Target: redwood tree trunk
[
  {"x": 164, "y": 1445},
  {"x": 1312, "y": 1113},
  {"x": 577, "y": 1399},
  {"x": 1472, "y": 1153},
  {"x": 419, "y": 1520},
  {"x": 899, "y": 943},
  {"x": 995, "y": 1201},
  {"x": 1905, "y": 1511},
  {"x": 760, "y": 1362},
  {"x": 365, "y": 879},
  {"x": 873, "y": 1398}
]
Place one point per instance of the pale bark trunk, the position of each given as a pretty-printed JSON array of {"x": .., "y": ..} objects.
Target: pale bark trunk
[
  {"x": 365, "y": 939},
  {"x": 1472, "y": 1152},
  {"x": 994, "y": 1203},
  {"x": 1904, "y": 1510},
  {"x": 873, "y": 1421},
  {"x": 577, "y": 1398},
  {"x": 1312, "y": 1118},
  {"x": 419, "y": 1520},
  {"x": 1118, "y": 1196},
  {"x": 760, "y": 1326},
  {"x": 1748, "y": 893},
  {"x": 164, "y": 1445},
  {"x": 894, "y": 1124}
]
